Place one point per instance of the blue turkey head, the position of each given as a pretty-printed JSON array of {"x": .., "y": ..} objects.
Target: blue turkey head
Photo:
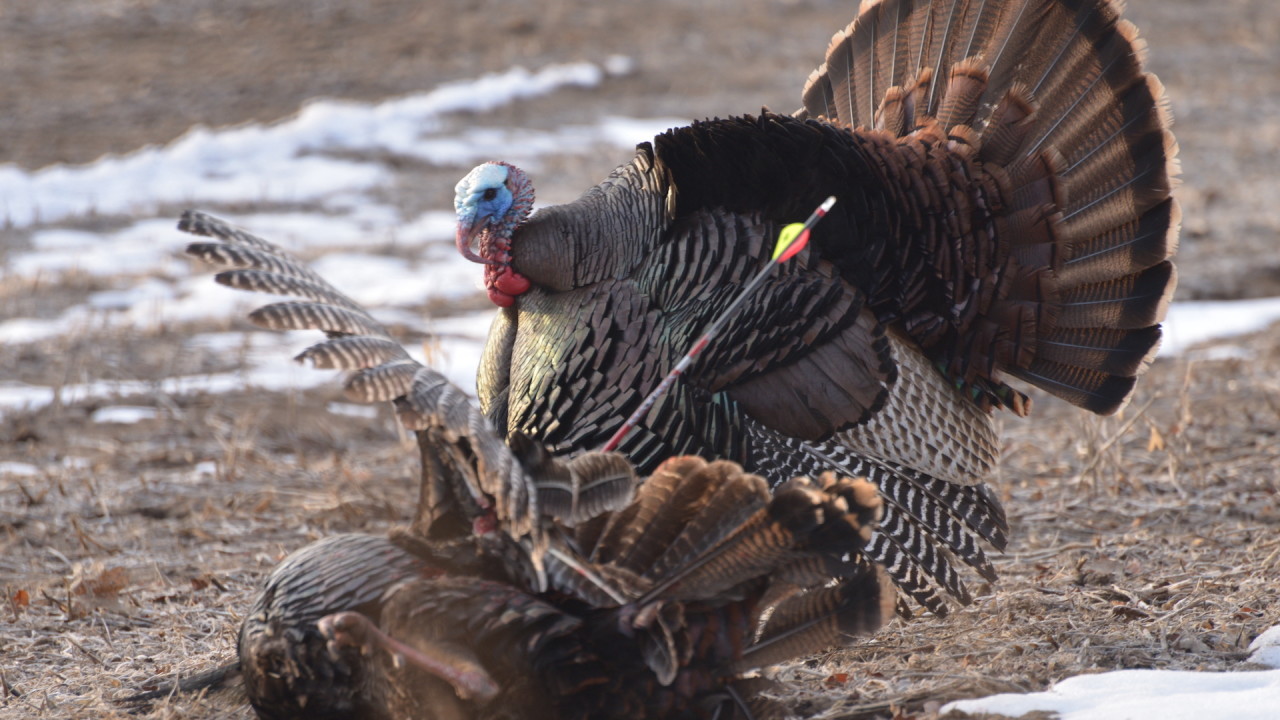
[{"x": 491, "y": 201}]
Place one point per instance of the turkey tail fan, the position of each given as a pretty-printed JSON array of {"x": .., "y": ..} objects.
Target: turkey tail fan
[{"x": 1051, "y": 99}]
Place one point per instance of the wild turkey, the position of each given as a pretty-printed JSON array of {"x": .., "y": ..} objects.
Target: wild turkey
[
  {"x": 1003, "y": 170},
  {"x": 529, "y": 586},
  {"x": 373, "y": 627}
]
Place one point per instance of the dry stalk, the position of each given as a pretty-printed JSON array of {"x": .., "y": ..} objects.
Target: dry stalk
[{"x": 1097, "y": 453}]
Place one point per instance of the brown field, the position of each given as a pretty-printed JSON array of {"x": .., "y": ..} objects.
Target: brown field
[{"x": 1147, "y": 540}]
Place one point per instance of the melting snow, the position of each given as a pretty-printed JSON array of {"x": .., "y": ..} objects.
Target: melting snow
[
  {"x": 18, "y": 469},
  {"x": 1145, "y": 694},
  {"x": 1190, "y": 323},
  {"x": 368, "y": 412},
  {"x": 1266, "y": 649},
  {"x": 123, "y": 414},
  {"x": 294, "y": 161}
]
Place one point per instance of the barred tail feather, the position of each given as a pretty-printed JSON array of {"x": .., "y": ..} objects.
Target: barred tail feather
[
  {"x": 928, "y": 525},
  {"x": 1051, "y": 96}
]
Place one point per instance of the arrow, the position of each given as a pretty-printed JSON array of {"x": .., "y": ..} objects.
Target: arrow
[{"x": 791, "y": 240}]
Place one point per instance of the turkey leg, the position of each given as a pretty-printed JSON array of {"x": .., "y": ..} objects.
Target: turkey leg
[{"x": 461, "y": 670}]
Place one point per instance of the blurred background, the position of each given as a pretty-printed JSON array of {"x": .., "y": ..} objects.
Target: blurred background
[{"x": 83, "y": 78}]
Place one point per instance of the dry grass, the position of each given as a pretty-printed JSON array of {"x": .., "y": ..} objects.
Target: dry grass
[
  {"x": 1147, "y": 540},
  {"x": 130, "y": 567}
]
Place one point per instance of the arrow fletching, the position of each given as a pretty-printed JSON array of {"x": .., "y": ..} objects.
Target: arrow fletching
[
  {"x": 795, "y": 236},
  {"x": 791, "y": 240}
]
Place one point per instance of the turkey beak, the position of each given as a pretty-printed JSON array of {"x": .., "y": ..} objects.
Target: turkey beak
[{"x": 467, "y": 239}]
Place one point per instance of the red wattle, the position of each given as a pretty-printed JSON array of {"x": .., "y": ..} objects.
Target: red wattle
[
  {"x": 511, "y": 282},
  {"x": 504, "y": 284}
]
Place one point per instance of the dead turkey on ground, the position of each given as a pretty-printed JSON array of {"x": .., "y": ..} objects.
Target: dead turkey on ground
[
  {"x": 533, "y": 587},
  {"x": 1003, "y": 170},
  {"x": 376, "y": 627}
]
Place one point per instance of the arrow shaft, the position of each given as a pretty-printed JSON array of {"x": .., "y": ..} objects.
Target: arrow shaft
[{"x": 718, "y": 324}]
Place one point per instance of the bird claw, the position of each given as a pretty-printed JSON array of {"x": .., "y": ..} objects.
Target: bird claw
[
  {"x": 346, "y": 629},
  {"x": 457, "y": 667}
]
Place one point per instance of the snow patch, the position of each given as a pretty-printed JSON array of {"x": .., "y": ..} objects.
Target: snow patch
[
  {"x": 1265, "y": 649},
  {"x": 1138, "y": 694},
  {"x": 18, "y": 469},
  {"x": 287, "y": 162},
  {"x": 1191, "y": 323},
  {"x": 123, "y": 414},
  {"x": 368, "y": 412},
  {"x": 203, "y": 468}
]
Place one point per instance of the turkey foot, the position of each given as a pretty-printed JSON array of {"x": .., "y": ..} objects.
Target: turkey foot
[{"x": 453, "y": 665}]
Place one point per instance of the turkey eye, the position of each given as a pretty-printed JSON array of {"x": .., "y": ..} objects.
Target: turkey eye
[{"x": 491, "y": 193}]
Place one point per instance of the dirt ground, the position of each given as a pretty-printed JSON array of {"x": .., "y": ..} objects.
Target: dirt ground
[{"x": 1147, "y": 540}]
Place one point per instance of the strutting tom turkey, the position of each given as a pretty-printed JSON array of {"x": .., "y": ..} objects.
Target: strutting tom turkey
[
  {"x": 1003, "y": 170},
  {"x": 534, "y": 587}
]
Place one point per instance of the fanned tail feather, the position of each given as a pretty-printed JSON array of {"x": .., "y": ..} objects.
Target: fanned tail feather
[
  {"x": 695, "y": 530},
  {"x": 1051, "y": 98}
]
